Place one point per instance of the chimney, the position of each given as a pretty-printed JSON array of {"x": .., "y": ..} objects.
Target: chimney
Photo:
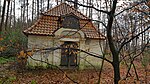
[
  {"x": 62, "y": 1},
  {"x": 75, "y": 4}
]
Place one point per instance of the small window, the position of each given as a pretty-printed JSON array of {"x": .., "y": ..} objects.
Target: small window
[{"x": 70, "y": 21}]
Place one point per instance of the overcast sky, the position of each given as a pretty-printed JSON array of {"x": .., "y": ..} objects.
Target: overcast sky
[{"x": 53, "y": 3}]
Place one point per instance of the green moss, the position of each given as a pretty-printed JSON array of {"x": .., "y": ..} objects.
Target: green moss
[
  {"x": 30, "y": 66},
  {"x": 12, "y": 78},
  {"x": 8, "y": 80},
  {"x": 33, "y": 82},
  {"x": 145, "y": 59},
  {"x": 81, "y": 66},
  {"x": 4, "y": 60}
]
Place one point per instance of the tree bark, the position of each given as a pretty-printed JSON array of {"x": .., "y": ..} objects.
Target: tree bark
[
  {"x": 7, "y": 15},
  {"x": 87, "y": 8},
  {"x": 48, "y": 4},
  {"x": 3, "y": 15},
  {"x": 14, "y": 16},
  {"x": 41, "y": 6},
  {"x": 0, "y": 8},
  {"x": 27, "y": 13},
  {"x": 111, "y": 43},
  {"x": 38, "y": 9},
  {"x": 32, "y": 10},
  {"x": 10, "y": 14},
  {"x": 116, "y": 68}
]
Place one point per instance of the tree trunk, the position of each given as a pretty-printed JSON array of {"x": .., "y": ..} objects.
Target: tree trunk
[
  {"x": 41, "y": 6},
  {"x": 87, "y": 8},
  {"x": 7, "y": 15},
  {"x": 3, "y": 15},
  {"x": 111, "y": 43},
  {"x": 27, "y": 13},
  {"x": 14, "y": 16},
  {"x": 0, "y": 8},
  {"x": 38, "y": 9},
  {"x": 10, "y": 14},
  {"x": 23, "y": 14},
  {"x": 48, "y": 4},
  {"x": 116, "y": 68},
  {"x": 57, "y": 2},
  {"x": 32, "y": 10},
  {"x": 90, "y": 9}
]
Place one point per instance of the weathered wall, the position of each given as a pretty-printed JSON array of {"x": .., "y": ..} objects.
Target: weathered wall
[
  {"x": 54, "y": 57},
  {"x": 40, "y": 42},
  {"x": 91, "y": 46}
]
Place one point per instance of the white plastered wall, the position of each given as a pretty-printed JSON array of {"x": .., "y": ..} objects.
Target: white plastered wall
[
  {"x": 54, "y": 57},
  {"x": 94, "y": 47},
  {"x": 41, "y": 42}
]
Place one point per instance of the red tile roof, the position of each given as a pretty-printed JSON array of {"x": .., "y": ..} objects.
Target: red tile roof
[
  {"x": 48, "y": 23},
  {"x": 64, "y": 9}
]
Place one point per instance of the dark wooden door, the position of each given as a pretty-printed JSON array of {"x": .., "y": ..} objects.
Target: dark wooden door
[{"x": 69, "y": 55}]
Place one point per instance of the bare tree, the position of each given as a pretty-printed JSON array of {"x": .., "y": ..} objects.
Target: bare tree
[
  {"x": 126, "y": 34},
  {"x": 114, "y": 48}
]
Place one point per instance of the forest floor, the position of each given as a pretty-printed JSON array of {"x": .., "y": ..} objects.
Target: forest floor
[{"x": 9, "y": 75}]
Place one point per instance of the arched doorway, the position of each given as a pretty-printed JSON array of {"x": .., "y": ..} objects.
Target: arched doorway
[{"x": 68, "y": 55}]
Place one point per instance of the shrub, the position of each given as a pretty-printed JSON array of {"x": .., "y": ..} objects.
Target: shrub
[
  {"x": 146, "y": 58},
  {"x": 4, "y": 60},
  {"x": 12, "y": 42}
]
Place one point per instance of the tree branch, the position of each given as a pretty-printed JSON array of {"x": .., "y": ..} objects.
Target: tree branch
[
  {"x": 55, "y": 48},
  {"x": 129, "y": 8},
  {"x": 106, "y": 12},
  {"x": 132, "y": 38}
]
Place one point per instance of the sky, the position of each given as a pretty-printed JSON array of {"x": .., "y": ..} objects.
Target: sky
[{"x": 53, "y": 3}]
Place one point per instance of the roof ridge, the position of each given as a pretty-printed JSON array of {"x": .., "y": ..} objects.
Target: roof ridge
[
  {"x": 69, "y": 7},
  {"x": 54, "y": 7},
  {"x": 78, "y": 11}
]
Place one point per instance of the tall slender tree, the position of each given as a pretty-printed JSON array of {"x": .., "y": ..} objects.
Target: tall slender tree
[
  {"x": 10, "y": 15},
  {"x": 0, "y": 8},
  {"x": 14, "y": 14},
  {"x": 3, "y": 15},
  {"x": 38, "y": 8},
  {"x": 23, "y": 12},
  {"x": 7, "y": 16},
  {"x": 48, "y": 1},
  {"x": 27, "y": 3},
  {"x": 33, "y": 3}
]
